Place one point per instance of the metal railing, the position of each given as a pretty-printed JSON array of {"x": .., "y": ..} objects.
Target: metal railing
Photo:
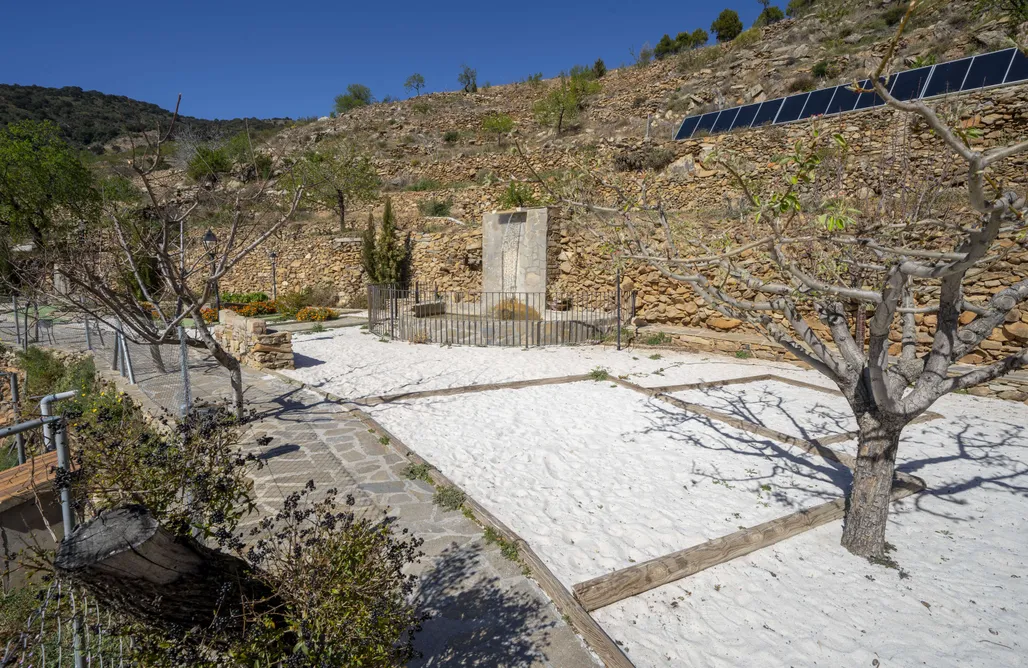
[{"x": 421, "y": 314}]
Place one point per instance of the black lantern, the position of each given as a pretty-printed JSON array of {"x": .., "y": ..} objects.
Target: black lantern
[{"x": 210, "y": 240}]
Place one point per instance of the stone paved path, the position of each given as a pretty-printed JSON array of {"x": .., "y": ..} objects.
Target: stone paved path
[{"x": 485, "y": 612}]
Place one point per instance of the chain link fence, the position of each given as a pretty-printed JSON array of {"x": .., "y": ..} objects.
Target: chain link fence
[{"x": 157, "y": 370}]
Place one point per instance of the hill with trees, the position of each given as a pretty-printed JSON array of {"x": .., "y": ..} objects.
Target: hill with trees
[{"x": 89, "y": 118}]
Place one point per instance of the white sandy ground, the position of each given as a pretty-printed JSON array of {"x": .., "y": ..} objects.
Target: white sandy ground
[
  {"x": 961, "y": 598},
  {"x": 353, "y": 363},
  {"x": 804, "y": 413},
  {"x": 596, "y": 477}
]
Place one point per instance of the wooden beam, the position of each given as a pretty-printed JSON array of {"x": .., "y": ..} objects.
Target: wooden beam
[
  {"x": 466, "y": 389},
  {"x": 634, "y": 580}
]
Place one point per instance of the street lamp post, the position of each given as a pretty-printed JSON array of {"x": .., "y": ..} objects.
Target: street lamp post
[
  {"x": 274, "y": 284},
  {"x": 210, "y": 242}
]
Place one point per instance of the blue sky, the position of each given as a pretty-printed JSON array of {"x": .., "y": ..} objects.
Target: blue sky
[{"x": 281, "y": 58}]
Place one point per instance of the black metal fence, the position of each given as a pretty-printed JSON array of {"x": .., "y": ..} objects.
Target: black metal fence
[{"x": 517, "y": 319}]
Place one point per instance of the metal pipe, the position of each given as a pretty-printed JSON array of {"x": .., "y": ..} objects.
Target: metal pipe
[
  {"x": 127, "y": 360},
  {"x": 19, "y": 440},
  {"x": 44, "y": 409},
  {"x": 187, "y": 395},
  {"x": 17, "y": 325},
  {"x": 21, "y": 427},
  {"x": 89, "y": 338},
  {"x": 618, "y": 298}
]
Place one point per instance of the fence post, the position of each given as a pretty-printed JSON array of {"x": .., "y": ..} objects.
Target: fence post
[
  {"x": 183, "y": 350},
  {"x": 19, "y": 438},
  {"x": 392, "y": 312},
  {"x": 128, "y": 360},
  {"x": 115, "y": 358},
  {"x": 89, "y": 338},
  {"x": 618, "y": 298},
  {"x": 17, "y": 325}
]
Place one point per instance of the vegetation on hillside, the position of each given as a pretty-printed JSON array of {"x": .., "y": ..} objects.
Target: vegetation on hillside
[{"x": 88, "y": 118}]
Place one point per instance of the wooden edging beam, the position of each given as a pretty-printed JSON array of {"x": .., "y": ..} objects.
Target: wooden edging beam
[
  {"x": 634, "y": 580},
  {"x": 466, "y": 389}
]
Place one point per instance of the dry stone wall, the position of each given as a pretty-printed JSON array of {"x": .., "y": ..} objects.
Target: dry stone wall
[{"x": 249, "y": 341}]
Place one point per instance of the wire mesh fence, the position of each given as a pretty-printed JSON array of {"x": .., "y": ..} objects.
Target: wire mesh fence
[
  {"x": 157, "y": 370},
  {"x": 68, "y": 627},
  {"x": 522, "y": 319}
]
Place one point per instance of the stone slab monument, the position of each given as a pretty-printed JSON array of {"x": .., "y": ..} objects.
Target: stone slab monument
[{"x": 514, "y": 250}]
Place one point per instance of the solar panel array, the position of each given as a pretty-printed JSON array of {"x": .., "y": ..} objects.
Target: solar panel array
[{"x": 967, "y": 74}]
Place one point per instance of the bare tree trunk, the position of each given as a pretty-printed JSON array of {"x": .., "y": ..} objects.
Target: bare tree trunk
[
  {"x": 868, "y": 511},
  {"x": 136, "y": 566},
  {"x": 229, "y": 362}
]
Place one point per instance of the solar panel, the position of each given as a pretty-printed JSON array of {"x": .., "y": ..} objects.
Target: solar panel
[
  {"x": 870, "y": 98},
  {"x": 688, "y": 125},
  {"x": 1018, "y": 68},
  {"x": 817, "y": 103},
  {"x": 845, "y": 100},
  {"x": 706, "y": 123},
  {"x": 988, "y": 69},
  {"x": 908, "y": 85},
  {"x": 724, "y": 121},
  {"x": 745, "y": 116},
  {"x": 791, "y": 108},
  {"x": 947, "y": 78},
  {"x": 1008, "y": 66},
  {"x": 767, "y": 112}
]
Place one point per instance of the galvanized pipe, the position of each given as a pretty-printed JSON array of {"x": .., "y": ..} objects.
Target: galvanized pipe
[
  {"x": 21, "y": 427},
  {"x": 19, "y": 440}
]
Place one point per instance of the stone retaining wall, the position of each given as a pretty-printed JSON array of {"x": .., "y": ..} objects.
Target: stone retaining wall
[{"x": 249, "y": 341}]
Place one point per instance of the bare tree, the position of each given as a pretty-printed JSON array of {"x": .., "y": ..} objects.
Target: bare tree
[
  {"x": 132, "y": 269},
  {"x": 828, "y": 257}
]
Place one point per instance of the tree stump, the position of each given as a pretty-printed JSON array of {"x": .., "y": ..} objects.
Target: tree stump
[{"x": 132, "y": 564}]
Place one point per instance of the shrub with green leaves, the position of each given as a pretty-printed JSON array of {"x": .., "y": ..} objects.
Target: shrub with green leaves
[
  {"x": 439, "y": 208},
  {"x": 384, "y": 257},
  {"x": 207, "y": 162},
  {"x": 599, "y": 68},
  {"x": 449, "y": 497},
  {"x": 517, "y": 196},
  {"x": 771, "y": 14},
  {"x": 451, "y": 136}
]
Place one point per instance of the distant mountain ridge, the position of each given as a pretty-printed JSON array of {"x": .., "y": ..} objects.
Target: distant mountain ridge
[{"x": 90, "y": 118}]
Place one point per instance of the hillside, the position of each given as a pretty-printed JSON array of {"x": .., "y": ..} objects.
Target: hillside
[
  {"x": 90, "y": 118},
  {"x": 433, "y": 147}
]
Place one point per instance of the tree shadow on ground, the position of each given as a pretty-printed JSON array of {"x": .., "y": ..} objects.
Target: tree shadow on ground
[
  {"x": 305, "y": 362},
  {"x": 479, "y": 619}
]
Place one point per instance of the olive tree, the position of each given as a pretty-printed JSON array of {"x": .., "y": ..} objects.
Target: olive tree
[{"x": 906, "y": 263}]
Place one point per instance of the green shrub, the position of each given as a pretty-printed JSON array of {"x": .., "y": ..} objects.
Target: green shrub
[
  {"x": 435, "y": 207},
  {"x": 517, "y": 195},
  {"x": 208, "y": 162},
  {"x": 747, "y": 38},
  {"x": 498, "y": 124},
  {"x": 657, "y": 339},
  {"x": 821, "y": 69},
  {"x": 422, "y": 185},
  {"x": 449, "y": 497},
  {"x": 599, "y": 373},
  {"x": 419, "y": 472},
  {"x": 512, "y": 309},
  {"x": 770, "y": 15},
  {"x": 46, "y": 373},
  {"x": 468, "y": 79},
  {"x": 290, "y": 303},
  {"x": 451, "y": 136},
  {"x": 243, "y": 297},
  {"x": 599, "y": 68}
]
